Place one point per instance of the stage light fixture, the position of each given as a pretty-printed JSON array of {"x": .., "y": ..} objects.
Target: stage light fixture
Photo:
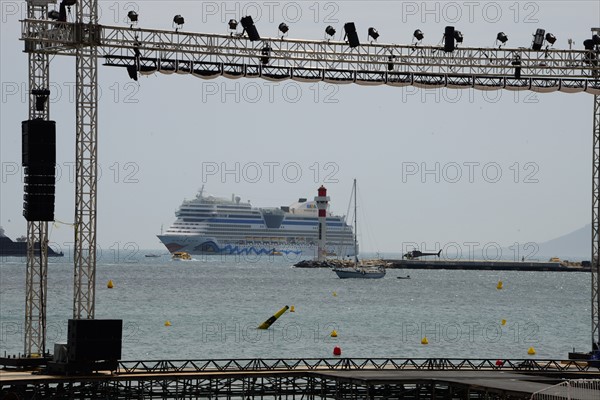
[
  {"x": 283, "y": 28},
  {"x": 458, "y": 36},
  {"x": 133, "y": 16},
  {"x": 266, "y": 52},
  {"x": 418, "y": 35},
  {"x": 178, "y": 20},
  {"x": 588, "y": 44},
  {"x": 330, "y": 30},
  {"x": 53, "y": 15},
  {"x": 233, "y": 24},
  {"x": 373, "y": 33},
  {"x": 596, "y": 39},
  {"x": 550, "y": 38},
  {"x": 501, "y": 37}
]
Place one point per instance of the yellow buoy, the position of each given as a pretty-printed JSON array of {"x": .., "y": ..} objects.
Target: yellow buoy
[
  {"x": 334, "y": 294},
  {"x": 292, "y": 309},
  {"x": 424, "y": 340},
  {"x": 531, "y": 351},
  {"x": 333, "y": 333},
  {"x": 110, "y": 284},
  {"x": 499, "y": 285},
  {"x": 167, "y": 323},
  {"x": 503, "y": 322}
]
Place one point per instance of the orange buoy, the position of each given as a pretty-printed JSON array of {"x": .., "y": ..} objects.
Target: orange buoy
[{"x": 337, "y": 351}]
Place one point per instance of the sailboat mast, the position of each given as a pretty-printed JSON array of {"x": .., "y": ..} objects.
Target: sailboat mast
[{"x": 355, "y": 225}]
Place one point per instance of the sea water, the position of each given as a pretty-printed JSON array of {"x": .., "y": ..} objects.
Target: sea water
[{"x": 214, "y": 305}]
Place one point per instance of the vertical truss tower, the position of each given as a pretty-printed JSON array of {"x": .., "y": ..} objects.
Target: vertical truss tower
[
  {"x": 86, "y": 169},
  {"x": 596, "y": 227},
  {"x": 36, "y": 281}
]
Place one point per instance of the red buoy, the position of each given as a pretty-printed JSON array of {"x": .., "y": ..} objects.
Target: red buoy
[{"x": 337, "y": 351}]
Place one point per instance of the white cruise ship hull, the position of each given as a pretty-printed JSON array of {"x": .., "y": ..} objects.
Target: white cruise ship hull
[{"x": 196, "y": 244}]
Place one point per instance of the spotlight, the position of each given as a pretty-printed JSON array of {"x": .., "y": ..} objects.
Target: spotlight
[
  {"x": 250, "y": 28},
  {"x": 351, "y": 34},
  {"x": 133, "y": 16},
  {"x": 330, "y": 31},
  {"x": 373, "y": 33},
  {"x": 449, "y": 39},
  {"x": 53, "y": 15},
  {"x": 178, "y": 21},
  {"x": 517, "y": 64},
  {"x": 41, "y": 97},
  {"x": 502, "y": 38},
  {"x": 418, "y": 35},
  {"x": 283, "y": 28},
  {"x": 266, "y": 52},
  {"x": 588, "y": 44},
  {"x": 538, "y": 39},
  {"x": 596, "y": 39},
  {"x": 550, "y": 38},
  {"x": 233, "y": 24},
  {"x": 458, "y": 36},
  {"x": 391, "y": 62}
]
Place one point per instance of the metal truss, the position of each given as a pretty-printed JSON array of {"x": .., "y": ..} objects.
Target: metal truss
[
  {"x": 36, "y": 276},
  {"x": 86, "y": 166},
  {"x": 209, "y": 56},
  {"x": 596, "y": 228},
  {"x": 322, "y": 381},
  {"x": 320, "y": 364}
]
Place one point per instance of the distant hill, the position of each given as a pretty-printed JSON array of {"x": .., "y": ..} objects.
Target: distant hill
[{"x": 574, "y": 245}]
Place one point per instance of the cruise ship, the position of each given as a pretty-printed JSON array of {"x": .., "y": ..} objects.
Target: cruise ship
[{"x": 213, "y": 225}]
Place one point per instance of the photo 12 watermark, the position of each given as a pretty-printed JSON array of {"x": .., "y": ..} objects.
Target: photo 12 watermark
[
  {"x": 471, "y": 251},
  {"x": 118, "y": 172},
  {"x": 469, "y": 172},
  {"x": 320, "y": 172}
]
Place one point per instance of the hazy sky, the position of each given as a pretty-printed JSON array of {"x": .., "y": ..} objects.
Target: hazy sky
[{"x": 163, "y": 137}]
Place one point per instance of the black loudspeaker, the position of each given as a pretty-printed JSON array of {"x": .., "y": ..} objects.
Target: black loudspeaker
[
  {"x": 449, "y": 39},
  {"x": 39, "y": 159},
  {"x": 90, "y": 340},
  {"x": 351, "y": 34},
  {"x": 538, "y": 39},
  {"x": 39, "y": 143},
  {"x": 250, "y": 28},
  {"x": 38, "y": 207}
]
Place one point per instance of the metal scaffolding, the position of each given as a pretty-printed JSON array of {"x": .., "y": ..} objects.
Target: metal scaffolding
[
  {"x": 211, "y": 55},
  {"x": 36, "y": 276},
  {"x": 86, "y": 165}
]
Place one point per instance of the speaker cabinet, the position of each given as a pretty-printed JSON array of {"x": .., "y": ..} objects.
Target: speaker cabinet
[{"x": 91, "y": 340}]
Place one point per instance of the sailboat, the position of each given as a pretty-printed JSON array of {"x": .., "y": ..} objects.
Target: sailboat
[{"x": 358, "y": 270}]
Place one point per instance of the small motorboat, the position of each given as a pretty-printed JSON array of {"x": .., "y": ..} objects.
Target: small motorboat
[
  {"x": 181, "y": 256},
  {"x": 403, "y": 277}
]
